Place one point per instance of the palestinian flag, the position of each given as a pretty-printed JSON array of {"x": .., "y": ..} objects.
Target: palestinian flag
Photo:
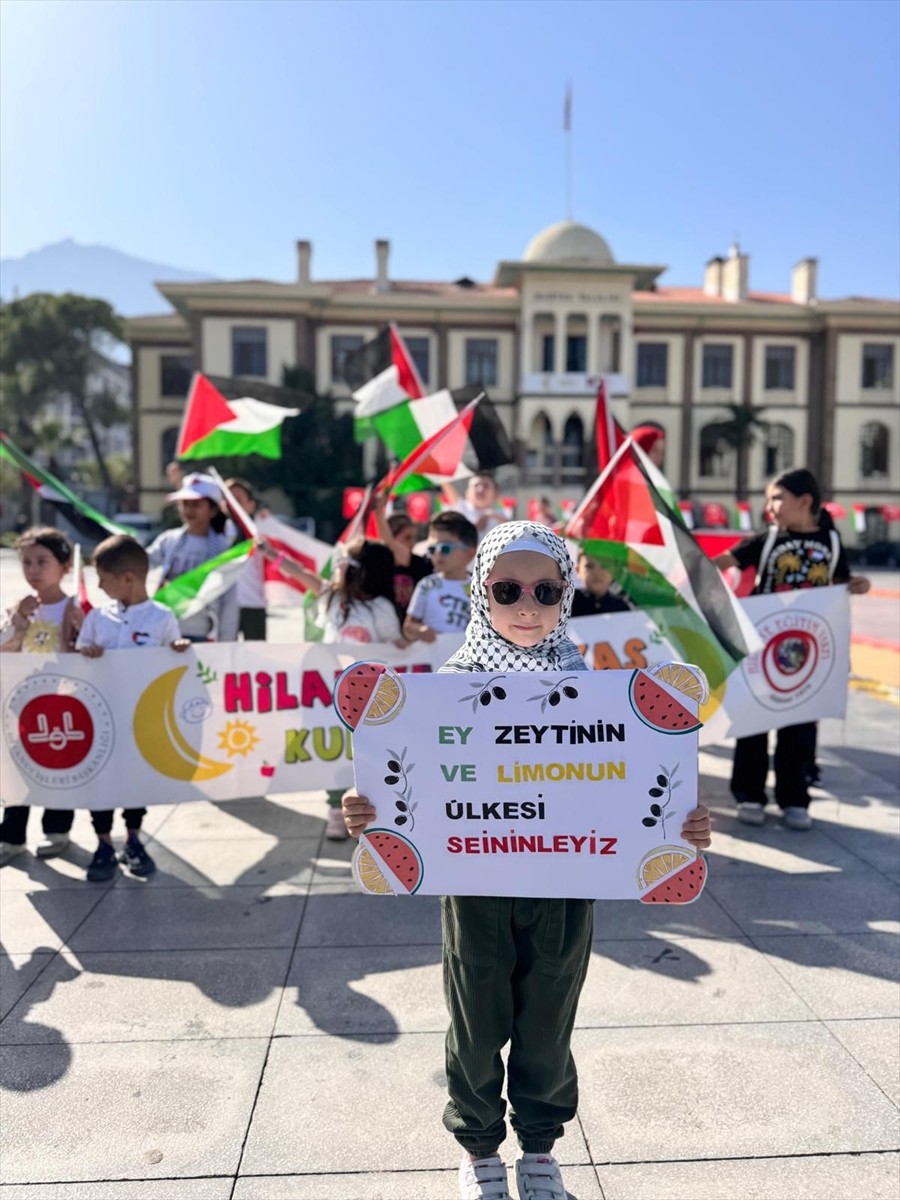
[
  {"x": 93, "y": 526},
  {"x": 191, "y": 592},
  {"x": 381, "y": 375},
  {"x": 308, "y": 551},
  {"x": 625, "y": 523},
  {"x": 437, "y": 459},
  {"x": 405, "y": 426},
  {"x": 214, "y": 427}
]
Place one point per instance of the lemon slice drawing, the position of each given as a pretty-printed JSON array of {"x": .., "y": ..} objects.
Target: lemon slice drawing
[
  {"x": 684, "y": 677},
  {"x": 389, "y": 698},
  {"x": 369, "y": 873},
  {"x": 661, "y": 862}
]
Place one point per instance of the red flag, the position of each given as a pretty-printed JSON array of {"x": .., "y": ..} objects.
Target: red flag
[
  {"x": 407, "y": 375},
  {"x": 619, "y": 507},
  {"x": 610, "y": 434},
  {"x": 353, "y": 497}
]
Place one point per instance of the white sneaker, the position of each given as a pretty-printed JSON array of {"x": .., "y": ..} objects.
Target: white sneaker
[
  {"x": 9, "y": 850},
  {"x": 483, "y": 1179},
  {"x": 797, "y": 818},
  {"x": 335, "y": 828},
  {"x": 52, "y": 843},
  {"x": 751, "y": 814},
  {"x": 538, "y": 1178}
]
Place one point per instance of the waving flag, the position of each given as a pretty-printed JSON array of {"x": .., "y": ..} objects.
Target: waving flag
[
  {"x": 290, "y": 543},
  {"x": 214, "y": 427},
  {"x": 626, "y": 523},
  {"x": 87, "y": 521},
  {"x": 609, "y": 433},
  {"x": 191, "y": 592},
  {"x": 382, "y": 376}
]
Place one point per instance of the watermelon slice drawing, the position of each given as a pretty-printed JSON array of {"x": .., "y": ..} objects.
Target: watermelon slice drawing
[
  {"x": 369, "y": 693},
  {"x": 682, "y": 887},
  {"x": 385, "y": 863},
  {"x": 655, "y": 705}
]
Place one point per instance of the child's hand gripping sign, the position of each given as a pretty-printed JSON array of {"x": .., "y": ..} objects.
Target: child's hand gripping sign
[{"x": 515, "y": 784}]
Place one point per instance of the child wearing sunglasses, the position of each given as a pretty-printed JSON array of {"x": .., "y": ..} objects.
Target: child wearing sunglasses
[
  {"x": 513, "y": 967},
  {"x": 440, "y": 602}
]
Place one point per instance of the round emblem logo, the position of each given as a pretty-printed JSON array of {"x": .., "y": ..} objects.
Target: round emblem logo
[
  {"x": 795, "y": 661},
  {"x": 59, "y": 730}
]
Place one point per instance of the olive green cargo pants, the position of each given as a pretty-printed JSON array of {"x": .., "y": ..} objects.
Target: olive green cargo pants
[{"x": 513, "y": 972}]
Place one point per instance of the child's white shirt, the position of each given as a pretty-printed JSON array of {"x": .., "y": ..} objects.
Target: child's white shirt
[
  {"x": 115, "y": 627},
  {"x": 442, "y": 604}
]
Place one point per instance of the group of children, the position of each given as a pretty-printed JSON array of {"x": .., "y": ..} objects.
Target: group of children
[{"x": 513, "y": 968}]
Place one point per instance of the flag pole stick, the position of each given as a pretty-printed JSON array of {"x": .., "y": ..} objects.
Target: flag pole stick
[{"x": 243, "y": 517}]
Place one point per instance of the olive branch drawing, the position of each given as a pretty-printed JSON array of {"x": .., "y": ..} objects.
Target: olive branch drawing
[
  {"x": 485, "y": 692},
  {"x": 665, "y": 786},
  {"x": 206, "y": 674},
  {"x": 398, "y": 773},
  {"x": 557, "y": 689}
]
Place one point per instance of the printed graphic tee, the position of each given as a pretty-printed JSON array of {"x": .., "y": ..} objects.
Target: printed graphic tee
[
  {"x": 366, "y": 621},
  {"x": 796, "y": 560},
  {"x": 44, "y": 634},
  {"x": 444, "y": 605}
]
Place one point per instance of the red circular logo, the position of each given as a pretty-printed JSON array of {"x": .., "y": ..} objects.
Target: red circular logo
[{"x": 56, "y": 731}]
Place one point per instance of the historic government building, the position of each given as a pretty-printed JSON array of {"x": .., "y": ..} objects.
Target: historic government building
[{"x": 538, "y": 337}]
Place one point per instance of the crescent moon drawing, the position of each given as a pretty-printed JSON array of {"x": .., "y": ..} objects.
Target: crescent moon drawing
[{"x": 161, "y": 742}]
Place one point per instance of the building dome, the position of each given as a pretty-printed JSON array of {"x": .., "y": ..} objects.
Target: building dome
[{"x": 569, "y": 244}]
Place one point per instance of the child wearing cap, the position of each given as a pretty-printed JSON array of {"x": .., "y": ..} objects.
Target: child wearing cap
[
  {"x": 514, "y": 967},
  {"x": 200, "y": 537}
]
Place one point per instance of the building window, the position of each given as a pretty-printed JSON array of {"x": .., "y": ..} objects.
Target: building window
[
  {"x": 780, "y": 363},
  {"x": 652, "y": 364},
  {"x": 175, "y": 372},
  {"x": 539, "y": 454},
  {"x": 779, "y": 449},
  {"x": 248, "y": 351},
  {"x": 343, "y": 344},
  {"x": 420, "y": 352},
  {"x": 576, "y": 353},
  {"x": 548, "y": 351},
  {"x": 717, "y": 365},
  {"x": 168, "y": 440},
  {"x": 877, "y": 366},
  {"x": 715, "y": 453},
  {"x": 481, "y": 361},
  {"x": 874, "y": 449},
  {"x": 573, "y": 444}
]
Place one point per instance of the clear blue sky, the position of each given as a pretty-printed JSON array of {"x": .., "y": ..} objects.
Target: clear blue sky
[{"x": 211, "y": 135}]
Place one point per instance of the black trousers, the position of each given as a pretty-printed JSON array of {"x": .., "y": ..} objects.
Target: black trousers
[
  {"x": 15, "y": 822},
  {"x": 795, "y": 750},
  {"x": 252, "y": 624},
  {"x": 102, "y": 820}
]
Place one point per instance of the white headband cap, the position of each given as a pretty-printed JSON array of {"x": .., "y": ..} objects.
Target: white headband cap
[{"x": 528, "y": 543}]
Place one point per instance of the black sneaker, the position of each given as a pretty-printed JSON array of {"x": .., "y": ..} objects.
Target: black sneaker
[
  {"x": 103, "y": 865},
  {"x": 136, "y": 858}
]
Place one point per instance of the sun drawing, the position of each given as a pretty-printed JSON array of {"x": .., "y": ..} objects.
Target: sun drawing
[{"x": 238, "y": 737}]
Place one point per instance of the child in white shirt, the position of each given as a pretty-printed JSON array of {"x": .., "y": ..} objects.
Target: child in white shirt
[
  {"x": 441, "y": 602},
  {"x": 131, "y": 621}
]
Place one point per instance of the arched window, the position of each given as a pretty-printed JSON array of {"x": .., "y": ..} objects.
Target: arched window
[
  {"x": 874, "y": 449},
  {"x": 573, "y": 444},
  {"x": 779, "y": 449},
  {"x": 168, "y": 440},
  {"x": 540, "y": 444},
  {"x": 716, "y": 455}
]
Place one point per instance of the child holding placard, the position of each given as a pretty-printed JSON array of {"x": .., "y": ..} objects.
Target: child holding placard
[{"x": 513, "y": 967}]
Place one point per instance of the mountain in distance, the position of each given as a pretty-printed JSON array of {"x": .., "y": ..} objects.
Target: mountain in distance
[{"x": 123, "y": 280}]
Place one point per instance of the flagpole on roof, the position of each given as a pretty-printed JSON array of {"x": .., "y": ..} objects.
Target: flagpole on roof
[{"x": 567, "y": 129}]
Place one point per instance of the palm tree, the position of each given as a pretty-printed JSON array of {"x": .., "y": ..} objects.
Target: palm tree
[{"x": 740, "y": 431}]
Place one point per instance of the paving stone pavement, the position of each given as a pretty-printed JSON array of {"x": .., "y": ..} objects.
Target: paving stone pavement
[{"x": 245, "y": 1026}]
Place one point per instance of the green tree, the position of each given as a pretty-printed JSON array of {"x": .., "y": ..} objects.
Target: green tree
[
  {"x": 740, "y": 430},
  {"x": 48, "y": 348}
]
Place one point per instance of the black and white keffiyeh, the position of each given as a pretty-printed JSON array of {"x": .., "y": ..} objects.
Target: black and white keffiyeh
[{"x": 484, "y": 649}]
